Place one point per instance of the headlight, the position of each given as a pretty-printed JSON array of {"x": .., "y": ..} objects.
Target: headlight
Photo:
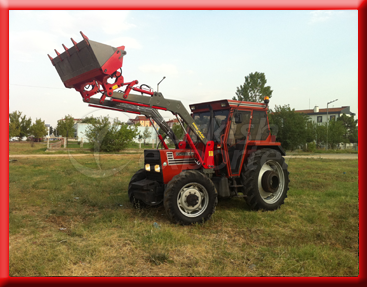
[
  {"x": 147, "y": 167},
  {"x": 157, "y": 168}
]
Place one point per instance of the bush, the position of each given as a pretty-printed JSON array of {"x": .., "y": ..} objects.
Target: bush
[
  {"x": 311, "y": 147},
  {"x": 110, "y": 138}
]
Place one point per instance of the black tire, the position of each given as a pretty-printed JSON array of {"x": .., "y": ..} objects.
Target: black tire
[
  {"x": 265, "y": 178},
  {"x": 200, "y": 194},
  {"x": 139, "y": 175}
]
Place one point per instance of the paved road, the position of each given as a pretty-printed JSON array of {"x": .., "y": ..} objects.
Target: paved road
[
  {"x": 327, "y": 156},
  {"x": 314, "y": 156}
]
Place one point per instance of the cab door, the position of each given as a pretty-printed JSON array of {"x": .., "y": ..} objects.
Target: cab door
[{"x": 236, "y": 139}]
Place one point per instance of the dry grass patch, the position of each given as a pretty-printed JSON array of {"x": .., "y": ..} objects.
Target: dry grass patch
[{"x": 64, "y": 222}]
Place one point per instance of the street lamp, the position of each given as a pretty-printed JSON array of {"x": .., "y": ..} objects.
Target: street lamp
[{"x": 327, "y": 122}]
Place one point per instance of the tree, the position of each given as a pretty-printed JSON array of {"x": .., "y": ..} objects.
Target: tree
[
  {"x": 351, "y": 129},
  {"x": 14, "y": 124},
  {"x": 310, "y": 131},
  {"x": 290, "y": 126},
  {"x": 13, "y": 130},
  {"x": 38, "y": 129},
  {"x": 25, "y": 127},
  {"x": 110, "y": 138},
  {"x": 65, "y": 126},
  {"x": 336, "y": 132},
  {"x": 19, "y": 126},
  {"x": 178, "y": 131},
  {"x": 146, "y": 133},
  {"x": 253, "y": 90},
  {"x": 89, "y": 120},
  {"x": 320, "y": 134}
]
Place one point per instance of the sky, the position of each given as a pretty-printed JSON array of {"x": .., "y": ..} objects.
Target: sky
[{"x": 309, "y": 57}]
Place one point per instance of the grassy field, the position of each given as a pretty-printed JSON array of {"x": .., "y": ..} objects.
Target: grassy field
[
  {"x": 73, "y": 147},
  {"x": 71, "y": 217},
  {"x": 40, "y": 148}
]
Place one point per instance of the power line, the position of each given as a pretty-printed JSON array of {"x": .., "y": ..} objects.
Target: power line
[{"x": 35, "y": 86}]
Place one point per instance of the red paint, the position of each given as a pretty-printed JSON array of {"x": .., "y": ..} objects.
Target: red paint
[
  {"x": 209, "y": 155},
  {"x": 162, "y": 141},
  {"x": 182, "y": 145},
  {"x": 85, "y": 38},
  {"x": 169, "y": 171},
  {"x": 114, "y": 62},
  {"x": 58, "y": 55},
  {"x": 75, "y": 44},
  {"x": 193, "y": 147},
  {"x": 143, "y": 91},
  {"x": 66, "y": 50}
]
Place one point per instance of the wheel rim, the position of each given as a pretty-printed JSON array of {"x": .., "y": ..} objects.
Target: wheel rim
[
  {"x": 271, "y": 197},
  {"x": 192, "y": 199}
]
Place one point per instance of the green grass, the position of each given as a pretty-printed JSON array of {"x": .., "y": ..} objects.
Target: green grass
[
  {"x": 27, "y": 148},
  {"x": 318, "y": 151},
  {"x": 73, "y": 218}
]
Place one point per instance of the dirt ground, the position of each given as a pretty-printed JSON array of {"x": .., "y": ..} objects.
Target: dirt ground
[
  {"x": 326, "y": 156},
  {"x": 314, "y": 156}
]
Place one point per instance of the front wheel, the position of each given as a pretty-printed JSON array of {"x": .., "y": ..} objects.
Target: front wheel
[
  {"x": 265, "y": 178},
  {"x": 190, "y": 197}
]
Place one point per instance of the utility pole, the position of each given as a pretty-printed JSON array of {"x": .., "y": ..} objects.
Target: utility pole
[{"x": 327, "y": 123}]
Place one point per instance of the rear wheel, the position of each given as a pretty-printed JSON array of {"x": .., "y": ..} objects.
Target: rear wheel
[
  {"x": 190, "y": 197},
  {"x": 138, "y": 176},
  {"x": 265, "y": 178}
]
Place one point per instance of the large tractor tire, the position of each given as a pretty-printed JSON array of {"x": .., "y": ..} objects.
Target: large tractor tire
[
  {"x": 265, "y": 178},
  {"x": 138, "y": 176},
  {"x": 190, "y": 197}
]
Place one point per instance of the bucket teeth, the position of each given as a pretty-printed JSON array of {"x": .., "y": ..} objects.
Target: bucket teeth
[
  {"x": 66, "y": 50},
  {"x": 85, "y": 37},
  {"x": 51, "y": 59},
  {"x": 75, "y": 44},
  {"x": 58, "y": 55}
]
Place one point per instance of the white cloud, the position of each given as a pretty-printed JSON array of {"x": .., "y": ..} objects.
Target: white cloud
[
  {"x": 128, "y": 42},
  {"x": 24, "y": 45},
  {"x": 162, "y": 69},
  {"x": 33, "y": 33},
  {"x": 322, "y": 16}
]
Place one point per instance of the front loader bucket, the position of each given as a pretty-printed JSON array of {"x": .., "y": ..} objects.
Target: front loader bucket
[{"x": 89, "y": 63}]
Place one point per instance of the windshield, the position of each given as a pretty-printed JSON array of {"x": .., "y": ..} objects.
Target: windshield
[{"x": 202, "y": 120}]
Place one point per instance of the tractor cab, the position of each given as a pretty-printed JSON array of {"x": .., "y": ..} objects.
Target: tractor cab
[{"x": 234, "y": 127}]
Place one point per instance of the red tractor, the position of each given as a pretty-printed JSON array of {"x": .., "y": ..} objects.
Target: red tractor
[{"x": 227, "y": 149}]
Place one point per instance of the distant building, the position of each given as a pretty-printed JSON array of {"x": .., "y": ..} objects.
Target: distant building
[
  {"x": 80, "y": 131},
  {"x": 318, "y": 115},
  {"x": 142, "y": 120},
  {"x": 172, "y": 122}
]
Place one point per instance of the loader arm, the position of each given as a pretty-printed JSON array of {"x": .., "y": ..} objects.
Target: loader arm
[
  {"x": 93, "y": 68},
  {"x": 130, "y": 108},
  {"x": 148, "y": 106},
  {"x": 157, "y": 101}
]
